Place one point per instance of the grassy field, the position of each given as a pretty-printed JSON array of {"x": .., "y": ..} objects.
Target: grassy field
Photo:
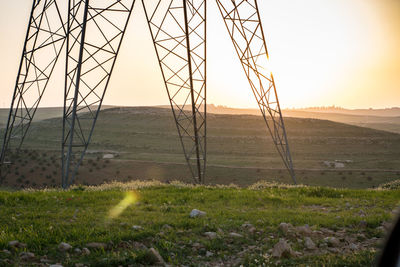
[
  {"x": 145, "y": 144},
  {"x": 245, "y": 223}
]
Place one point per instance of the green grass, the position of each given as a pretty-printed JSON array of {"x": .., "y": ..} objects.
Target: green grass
[{"x": 43, "y": 219}]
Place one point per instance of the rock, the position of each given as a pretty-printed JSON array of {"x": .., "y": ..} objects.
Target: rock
[
  {"x": 339, "y": 165},
  {"x": 96, "y": 245},
  {"x": 353, "y": 246},
  {"x": 252, "y": 230},
  {"x": 13, "y": 243},
  {"x": 155, "y": 256},
  {"x": 137, "y": 227},
  {"x": 309, "y": 244},
  {"x": 64, "y": 247},
  {"x": 334, "y": 250},
  {"x": 56, "y": 265},
  {"x": 284, "y": 227},
  {"x": 197, "y": 213},
  {"x": 304, "y": 230},
  {"x": 236, "y": 235},
  {"x": 77, "y": 250},
  {"x": 16, "y": 244},
  {"x": 209, "y": 254},
  {"x": 108, "y": 156},
  {"x": 332, "y": 241},
  {"x": 211, "y": 235},
  {"x": 26, "y": 255},
  {"x": 387, "y": 226},
  {"x": 166, "y": 227},
  {"x": 247, "y": 225},
  {"x": 85, "y": 251},
  {"x": 138, "y": 246},
  {"x": 45, "y": 260},
  {"x": 5, "y": 251},
  {"x": 282, "y": 249},
  {"x": 348, "y": 205}
]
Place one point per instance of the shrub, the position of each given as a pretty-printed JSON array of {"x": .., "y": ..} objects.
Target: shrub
[{"x": 393, "y": 185}]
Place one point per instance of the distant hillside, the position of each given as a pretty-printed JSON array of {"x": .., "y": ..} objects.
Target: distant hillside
[
  {"x": 41, "y": 114},
  {"x": 386, "y": 112},
  {"x": 380, "y": 119},
  {"x": 145, "y": 145}
]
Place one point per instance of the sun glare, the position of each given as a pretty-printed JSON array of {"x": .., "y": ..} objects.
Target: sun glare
[{"x": 130, "y": 198}]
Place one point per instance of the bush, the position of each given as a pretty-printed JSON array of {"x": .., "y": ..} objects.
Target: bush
[{"x": 393, "y": 185}]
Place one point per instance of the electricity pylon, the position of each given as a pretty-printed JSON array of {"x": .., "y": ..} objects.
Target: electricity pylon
[{"x": 92, "y": 32}]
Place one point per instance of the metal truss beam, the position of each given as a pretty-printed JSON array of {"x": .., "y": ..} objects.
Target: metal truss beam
[
  {"x": 44, "y": 41},
  {"x": 178, "y": 29},
  {"x": 94, "y": 35},
  {"x": 94, "y": 31},
  {"x": 242, "y": 20}
]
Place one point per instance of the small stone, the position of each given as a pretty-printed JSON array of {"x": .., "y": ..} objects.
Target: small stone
[
  {"x": 211, "y": 235},
  {"x": 347, "y": 205},
  {"x": 26, "y": 255},
  {"x": 209, "y": 254},
  {"x": 108, "y": 156},
  {"x": 137, "y": 227},
  {"x": 5, "y": 251},
  {"x": 236, "y": 235},
  {"x": 139, "y": 246},
  {"x": 247, "y": 225},
  {"x": 309, "y": 244},
  {"x": 85, "y": 251},
  {"x": 281, "y": 249},
  {"x": 13, "y": 243},
  {"x": 387, "y": 226},
  {"x": 332, "y": 241},
  {"x": 44, "y": 259},
  {"x": 353, "y": 246},
  {"x": 252, "y": 230},
  {"x": 64, "y": 247},
  {"x": 284, "y": 227},
  {"x": 334, "y": 250},
  {"x": 16, "y": 244},
  {"x": 155, "y": 256},
  {"x": 304, "y": 230},
  {"x": 79, "y": 265},
  {"x": 77, "y": 250},
  {"x": 96, "y": 245},
  {"x": 166, "y": 227},
  {"x": 197, "y": 213},
  {"x": 56, "y": 265}
]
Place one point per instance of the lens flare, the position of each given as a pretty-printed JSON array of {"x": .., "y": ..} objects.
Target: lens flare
[{"x": 130, "y": 198}]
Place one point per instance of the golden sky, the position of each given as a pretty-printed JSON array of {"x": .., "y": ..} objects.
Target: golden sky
[{"x": 329, "y": 52}]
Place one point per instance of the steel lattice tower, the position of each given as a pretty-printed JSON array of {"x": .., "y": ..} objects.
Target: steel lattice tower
[{"x": 92, "y": 32}]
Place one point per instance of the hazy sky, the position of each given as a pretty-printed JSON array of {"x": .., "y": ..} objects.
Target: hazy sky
[{"x": 329, "y": 52}]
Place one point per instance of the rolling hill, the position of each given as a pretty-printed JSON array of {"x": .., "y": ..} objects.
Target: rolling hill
[{"x": 144, "y": 143}]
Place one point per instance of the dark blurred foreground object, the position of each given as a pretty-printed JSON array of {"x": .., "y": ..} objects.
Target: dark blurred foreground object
[{"x": 391, "y": 252}]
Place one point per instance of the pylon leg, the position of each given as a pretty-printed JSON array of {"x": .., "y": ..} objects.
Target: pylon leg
[
  {"x": 242, "y": 19},
  {"x": 178, "y": 29},
  {"x": 94, "y": 36},
  {"x": 44, "y": 41}
]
